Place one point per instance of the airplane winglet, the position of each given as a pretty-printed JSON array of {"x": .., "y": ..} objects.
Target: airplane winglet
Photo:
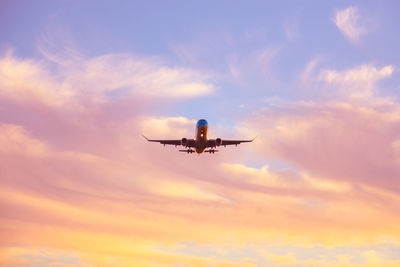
[{"x": 146, "y": 137}]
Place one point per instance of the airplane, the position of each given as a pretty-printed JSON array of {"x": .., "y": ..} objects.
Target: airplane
[{"x": 201, "y": 143}]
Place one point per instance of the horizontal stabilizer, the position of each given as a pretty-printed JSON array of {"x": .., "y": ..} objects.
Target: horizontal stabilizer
[
  {"x": 211, "y": 151},
  {"x": 186, "y": 150}
]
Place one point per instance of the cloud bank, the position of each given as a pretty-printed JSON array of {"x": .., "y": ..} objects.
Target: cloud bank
[{"x": 79, "y": 183}]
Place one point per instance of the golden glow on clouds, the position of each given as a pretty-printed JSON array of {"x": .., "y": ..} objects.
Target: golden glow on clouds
[
  {"x": 171, "y": 127},
  {"x": 14, "y": 139},
  {"x": 181, "y": 190},
  {"x": 107, "y": 231},
  {"x": 83, "y": 186}
]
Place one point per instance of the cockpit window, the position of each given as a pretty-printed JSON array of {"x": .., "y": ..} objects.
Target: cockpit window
[{"x": 202, "y": 122}]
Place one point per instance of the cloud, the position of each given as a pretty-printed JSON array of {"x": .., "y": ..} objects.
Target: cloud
[
  {"x": 39, "y": 257},
  {"x": 169, "y": 127},
  {"x": 78, "y": 180},
  {"x": 307, "y": 74},
  {"x": 348, "y": 22},
  {"x": 14, "y": 139},
  {"x": 291, "y": 29},
  {"x": 29, "y": 80},
  {"x": 70, "y": 200},
  {"x": 255, "y": 64},
  {"x": 142, "y": 76},
  {"x": 338, "y": 140},
  {"x": 356, "y": 82},
  {"x": 114, "y": 89},
  {"x": 98, "y": 79}
]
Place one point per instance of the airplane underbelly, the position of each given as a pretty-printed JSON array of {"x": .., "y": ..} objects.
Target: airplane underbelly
[
  {"x": 201, "y": 144},
  {"x": 201, "y": 138}
]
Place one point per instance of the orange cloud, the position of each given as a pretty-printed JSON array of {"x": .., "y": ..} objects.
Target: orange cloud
[{"x": 81, "y": 184}]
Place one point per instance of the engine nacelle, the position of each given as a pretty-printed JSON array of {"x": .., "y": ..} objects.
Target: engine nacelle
[
  {"x": 218, "y": 141},
  {"x": 184, "y": 142}
]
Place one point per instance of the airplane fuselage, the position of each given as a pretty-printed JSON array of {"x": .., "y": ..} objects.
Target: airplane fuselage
[
  {"x": 200, "y": 143},
  {"x": 201, "y": 136}
]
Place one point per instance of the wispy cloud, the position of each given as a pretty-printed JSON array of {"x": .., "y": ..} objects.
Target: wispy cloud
[
  {"x": 39, "y": 257},
  {"x": 307, "y": 74},
  {"x": 291, "y": 29},
  {"x": 348, "y": 22},
  {"x": 102, "y": 78},
  {"x": 256, "y": 64},
  {"x": 358, "y": 82}
]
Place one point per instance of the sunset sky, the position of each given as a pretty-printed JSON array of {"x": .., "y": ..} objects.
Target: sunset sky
[{"x": 316, "y": 81}]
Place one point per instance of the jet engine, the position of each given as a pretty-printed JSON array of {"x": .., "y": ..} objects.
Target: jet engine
[
  {"x": 218, "y": 141},
  {"x": 184, "y": 142}
]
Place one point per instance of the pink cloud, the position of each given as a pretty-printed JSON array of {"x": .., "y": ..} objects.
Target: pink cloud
[
  {"x": 337, "y": 140},
  {"x": 77, "y": 177}
]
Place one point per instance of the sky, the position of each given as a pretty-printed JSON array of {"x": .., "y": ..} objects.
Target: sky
[{"x": 316, "y": 81}]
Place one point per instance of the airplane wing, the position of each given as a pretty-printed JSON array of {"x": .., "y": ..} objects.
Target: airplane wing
[
  {"x": 221, "y": 142},
  {"x": 234, "y": 142},
  {"x": 175, "y": 142}
]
